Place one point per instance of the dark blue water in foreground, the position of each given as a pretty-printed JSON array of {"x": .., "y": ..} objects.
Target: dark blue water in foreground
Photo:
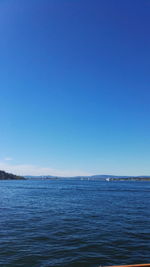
[{"x": 74, "y": 223}]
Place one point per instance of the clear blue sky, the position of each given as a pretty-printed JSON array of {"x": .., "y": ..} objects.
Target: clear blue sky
[{"x": 75, "y": 87}]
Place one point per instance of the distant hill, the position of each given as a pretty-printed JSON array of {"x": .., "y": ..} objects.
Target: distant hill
[{"x": 8, "y": 176}]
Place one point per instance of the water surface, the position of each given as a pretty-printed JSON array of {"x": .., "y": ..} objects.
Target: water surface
[{"x": 74, "y": 223}]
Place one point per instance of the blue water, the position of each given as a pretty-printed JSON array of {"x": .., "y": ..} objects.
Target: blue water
[{"x": 74, "y": 223}]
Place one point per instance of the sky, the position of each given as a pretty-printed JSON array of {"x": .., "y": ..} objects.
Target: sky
[{"x": 75, "y": 87}]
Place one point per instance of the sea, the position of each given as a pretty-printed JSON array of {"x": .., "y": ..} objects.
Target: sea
[{"x": 73, "y": 223}]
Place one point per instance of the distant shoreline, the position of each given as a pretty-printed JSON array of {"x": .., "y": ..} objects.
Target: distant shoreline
[
  {"x": 90, "y": 178},
  {"x": 9, "y": 176},
  {"x": 130, "y": 179}
]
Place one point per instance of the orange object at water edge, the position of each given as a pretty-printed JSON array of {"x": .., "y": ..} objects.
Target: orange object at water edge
[{"x": 133, "y": 265}]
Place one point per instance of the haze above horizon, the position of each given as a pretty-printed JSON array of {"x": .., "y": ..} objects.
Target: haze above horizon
[{"x": 75, "y": 87}]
